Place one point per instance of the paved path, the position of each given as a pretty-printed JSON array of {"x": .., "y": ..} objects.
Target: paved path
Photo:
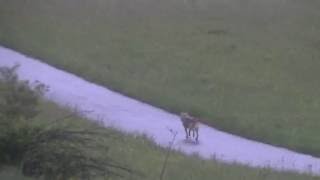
[{"x": 132, "y": 116}]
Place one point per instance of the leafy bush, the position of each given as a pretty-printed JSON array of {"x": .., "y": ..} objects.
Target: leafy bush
[
  {"x": 18, "y": 99},
  {"x": 18, "y": 104},
  {"x": 54, "y": 151}
]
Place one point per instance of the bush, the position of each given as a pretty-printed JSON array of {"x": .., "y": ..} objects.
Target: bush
[
  {"x": 18, "y": 104},
  {"x": 18, "y": 99},
  {"x": 55, "y": 151}
]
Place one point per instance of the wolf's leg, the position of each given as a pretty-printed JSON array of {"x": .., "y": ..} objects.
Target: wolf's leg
[
  {"x": 186, "y": 130},
  {"x": 197, "y": 132}
]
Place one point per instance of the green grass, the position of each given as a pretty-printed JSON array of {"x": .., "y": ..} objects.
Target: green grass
[
  {"x": 12, "y": 173},
  {"x": 248, "y": 67},
  {"x": 142, "y": 155}
]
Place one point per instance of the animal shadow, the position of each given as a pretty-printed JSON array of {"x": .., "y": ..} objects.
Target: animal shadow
[{"x": 191, "y": 142}]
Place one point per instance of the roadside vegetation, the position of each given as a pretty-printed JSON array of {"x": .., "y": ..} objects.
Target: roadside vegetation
[
  {"x": 247, "y": 67},
  {"x": 53, "y": 150},
  {"x": 48, "y": 146}
]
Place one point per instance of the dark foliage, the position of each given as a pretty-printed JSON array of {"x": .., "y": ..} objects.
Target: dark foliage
[{"x": 55, "y": 151}]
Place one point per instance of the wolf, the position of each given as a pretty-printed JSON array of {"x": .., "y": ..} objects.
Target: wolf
[{"x": 190, "y": 124}]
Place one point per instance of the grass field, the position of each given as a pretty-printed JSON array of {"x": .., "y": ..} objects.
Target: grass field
[
  {"x": 142, "y": 155},
  {"x": 248, "y": 67}
]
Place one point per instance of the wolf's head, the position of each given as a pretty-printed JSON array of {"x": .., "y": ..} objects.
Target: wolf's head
[{"x": 184, "y": 114}]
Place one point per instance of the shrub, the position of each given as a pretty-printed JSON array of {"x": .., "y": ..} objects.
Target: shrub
[
  {"x": 55, "y": 151},
  {"x": 18, "y": 104}
]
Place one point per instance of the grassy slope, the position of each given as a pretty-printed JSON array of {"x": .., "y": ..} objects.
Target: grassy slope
[
  {"x": 249, "y": 67},
  {"x": 142, "y": 155}
]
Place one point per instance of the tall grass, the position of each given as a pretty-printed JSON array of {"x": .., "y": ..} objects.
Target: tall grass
[
  {"x": 142, "y": 155},
  {"x": 248, "y": 67},
  {"x": 54, "y": 150}
]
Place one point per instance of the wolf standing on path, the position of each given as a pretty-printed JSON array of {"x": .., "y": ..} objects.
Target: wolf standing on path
[{"x": 190, "y": 124}]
